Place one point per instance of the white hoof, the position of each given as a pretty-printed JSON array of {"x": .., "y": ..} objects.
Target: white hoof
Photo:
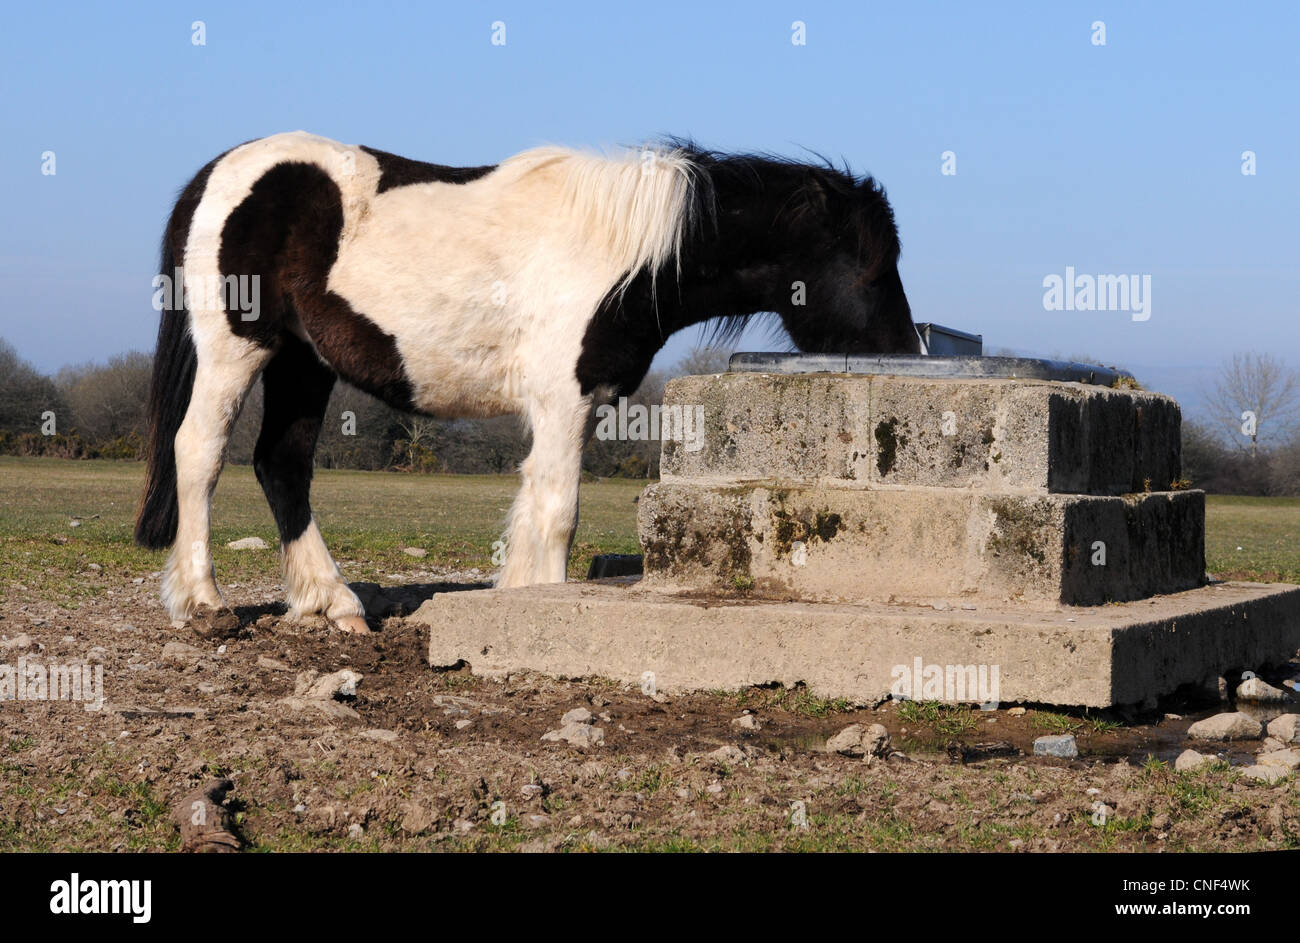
[{"x": 355, "y": 624}]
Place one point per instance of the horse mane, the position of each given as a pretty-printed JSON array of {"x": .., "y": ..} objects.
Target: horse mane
[{"x": 639, "y": 209}]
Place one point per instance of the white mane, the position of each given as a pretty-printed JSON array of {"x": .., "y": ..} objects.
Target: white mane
[{"x": 637, "y": 205}]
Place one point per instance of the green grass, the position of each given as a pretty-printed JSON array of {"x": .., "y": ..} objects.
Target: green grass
[
  {"x": 949, "y": 720},
  {"x": 1266, "y": 529},
  {"x": 367, "y": 518}
]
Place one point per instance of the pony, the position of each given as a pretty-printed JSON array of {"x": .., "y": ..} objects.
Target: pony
[{"x": 542, "y": 286}]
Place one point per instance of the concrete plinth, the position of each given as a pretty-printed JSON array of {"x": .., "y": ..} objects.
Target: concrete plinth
[
  {"x": 828, "y": 544},
  {"x": 869, "y": 431},
  {"x": 1093, "y": 657}
]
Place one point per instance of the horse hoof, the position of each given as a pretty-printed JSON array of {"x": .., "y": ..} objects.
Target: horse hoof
[
  {"x": 214, "y": 623},
  {"x": 354, "y": 624}
]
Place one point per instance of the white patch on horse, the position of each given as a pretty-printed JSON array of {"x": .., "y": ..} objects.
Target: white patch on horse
[{"x": 487, "y": 288}]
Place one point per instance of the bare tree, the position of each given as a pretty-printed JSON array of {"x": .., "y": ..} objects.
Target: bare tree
[
  {"x": 1256, "y": 402},
  {"x": 703, "y": 360},
  {"x": 25, "y": 394},
  {"x": 109, "y": 400}
]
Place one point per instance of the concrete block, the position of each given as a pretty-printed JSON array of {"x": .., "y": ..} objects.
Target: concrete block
[
  {"x": 1094, "y": 657},
  {"x": 831, "y": 544},
  {"x": 881, "y": 431}
]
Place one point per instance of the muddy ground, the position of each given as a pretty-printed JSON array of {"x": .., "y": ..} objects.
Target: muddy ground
[{"x": 427, "y": 760}]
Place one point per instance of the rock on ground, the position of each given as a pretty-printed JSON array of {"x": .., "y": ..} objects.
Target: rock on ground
[
  {"x": 1228, "y": 726},
  {"x": 1268, "y": 774},
  {"x": 1287, "y": 759},
  {"x": 859, "y": 740},
  {"x": 247, "y": 543},
  {"x": 1257, "y": 689},
  {"x": 1189, "y": 760},
  {"x": 1062, "y": 745},
  {"x": 579, "y": 735},
  {"x": 325, "y": 687},
  {"x": 1285, "y": 728}
]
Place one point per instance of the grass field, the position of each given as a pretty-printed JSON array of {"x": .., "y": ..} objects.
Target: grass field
[{"x": 369, "y": 517}]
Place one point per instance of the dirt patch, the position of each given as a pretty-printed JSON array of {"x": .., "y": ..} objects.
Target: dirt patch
[{"x": 419, "y": 759}]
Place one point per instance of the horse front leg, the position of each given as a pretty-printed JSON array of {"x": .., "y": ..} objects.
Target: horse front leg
[{"x": 545, "y": 512}]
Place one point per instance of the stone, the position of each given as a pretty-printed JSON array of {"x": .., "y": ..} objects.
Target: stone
[
  {"x": 1088, "y": 657},
  {"x": 335, "y": 684},
  {"x": 848, "y": 741},
  {"x": 247, "y": 543},
  {"x": 1257, "y": 689},
  {"x": 1268, "y": 774},
  {"x": 1227, "y": 726},
  {"x": 179, "y": 651},
  {"x": 578, "y": 735},
  {"x": 1190, "y": 760},
  {"x": 746, "y": 722},
  {"x": 875, "y": 741},
  {"x": 579, "y": 715},
  {"x": 1285, "y": 728},
  {"x": 1286, "y": 758},
  {"x": 858, "y": 740},
  {"x": 1059, "y": 745},
  {"x": 728, "y": 754}
]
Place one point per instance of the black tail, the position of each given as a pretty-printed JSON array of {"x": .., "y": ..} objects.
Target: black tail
[{"x": 174, "y": 363}]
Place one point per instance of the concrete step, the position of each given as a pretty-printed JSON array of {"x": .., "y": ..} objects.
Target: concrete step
[
  {"x": 869, "y": 431},
  {"x": 832, "y": 544},
  {"x": 1094, "y": 657}
]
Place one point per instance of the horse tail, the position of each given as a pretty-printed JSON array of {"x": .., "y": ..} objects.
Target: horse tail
[{"x": 174, "y": 365}]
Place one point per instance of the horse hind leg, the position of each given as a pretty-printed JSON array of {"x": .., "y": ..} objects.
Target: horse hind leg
[
  {"x": 296, "y": 389},
  {"x": 221, "y": 381}
]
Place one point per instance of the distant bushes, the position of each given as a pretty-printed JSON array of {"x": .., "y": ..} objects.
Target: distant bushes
[{"x": 99, "y": 411}]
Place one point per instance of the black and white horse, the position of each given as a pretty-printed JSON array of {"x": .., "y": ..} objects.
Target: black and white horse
[{"x": 542, "y": 286}]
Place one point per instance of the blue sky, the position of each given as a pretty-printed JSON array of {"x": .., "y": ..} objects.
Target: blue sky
[{"x": 1115, "y": 159}]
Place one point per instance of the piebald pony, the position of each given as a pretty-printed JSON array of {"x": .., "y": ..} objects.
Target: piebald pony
[{"x": 542, "y": 286}]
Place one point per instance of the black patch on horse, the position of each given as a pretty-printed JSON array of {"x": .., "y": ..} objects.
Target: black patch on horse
[
  {"x": 287, "y": 232},
  {"x": 296, "y": 387},
  {"x": 760, "y": 225},
  {"x": 395, "y": 171}
]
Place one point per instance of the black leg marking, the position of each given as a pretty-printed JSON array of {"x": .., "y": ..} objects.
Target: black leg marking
[{"x": 297, "y": 389}]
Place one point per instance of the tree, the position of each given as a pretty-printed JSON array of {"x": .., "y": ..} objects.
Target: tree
[
  {"x": 25, "y": 394},
  {"x": 109, "y": 401},
  {"x": 703, "y": 360},
  {"x": 1255, "y": 402}
]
